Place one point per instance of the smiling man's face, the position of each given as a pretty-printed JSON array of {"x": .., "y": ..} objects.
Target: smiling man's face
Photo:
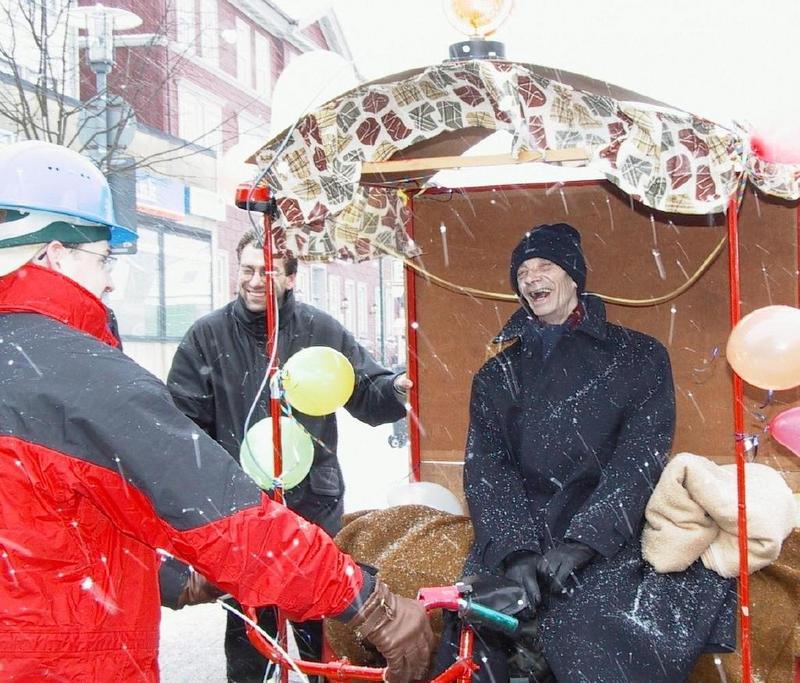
[
  {"x": 550, "y": 292},
  {"x": 252, "y": 278}
]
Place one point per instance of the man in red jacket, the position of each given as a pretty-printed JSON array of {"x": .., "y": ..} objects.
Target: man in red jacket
[{"x": 102, "y": 475}]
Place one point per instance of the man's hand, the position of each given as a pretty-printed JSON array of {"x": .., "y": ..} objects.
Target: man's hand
[
  {"x": 400, "y": 629},
  {"x": 402, "y": 384},
  {"x": 198, "y": 590},
  {"x": 563, "y": 561},
  {"x": 523, "y": 567}
]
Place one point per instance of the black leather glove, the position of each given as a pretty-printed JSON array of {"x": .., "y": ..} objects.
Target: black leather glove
[
  {"x": 499, "y": 593},
  {"x": 562, "y": 562},
  {"x": 523, "y": 567}
]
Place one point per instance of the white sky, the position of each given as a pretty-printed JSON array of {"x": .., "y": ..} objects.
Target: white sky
[{"x": 723, "y": 59}]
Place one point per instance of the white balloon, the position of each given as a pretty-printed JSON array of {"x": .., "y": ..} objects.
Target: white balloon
[
  {"x": 427, "y": 493},
  {"x": 310, "y": 80},
  {"x": 234, "y": 168}
]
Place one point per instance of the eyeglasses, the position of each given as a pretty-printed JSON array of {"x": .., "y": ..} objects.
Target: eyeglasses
[
  {"x": 107, "y": 260},
  {"x": 262, "y": 273}
]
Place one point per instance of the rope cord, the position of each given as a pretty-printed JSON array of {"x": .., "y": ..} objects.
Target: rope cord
[{"x": 607, "y": 298}]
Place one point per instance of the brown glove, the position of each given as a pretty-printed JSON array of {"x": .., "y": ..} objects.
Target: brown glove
[
  {"x": 197, "y": 590},
  {"x": 400, "y": 629}
]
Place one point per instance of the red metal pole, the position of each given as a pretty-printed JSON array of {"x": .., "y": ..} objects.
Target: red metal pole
[
  {"x": 340, "y": 670},
  {"x": 465, "y": 648},
  {"x": 272, "y": 340},
  {"x": 797, "y": 220},
  {"x": 413, "y": 358},
  {"x": 274, "y": 401},
  {"x": 738, "y": 420}
]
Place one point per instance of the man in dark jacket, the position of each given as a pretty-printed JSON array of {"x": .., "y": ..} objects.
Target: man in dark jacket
[
  {"x": 216, "y": 376},
  {"x": 571, "y": 423},
  {"x": 102, "y": 475}
]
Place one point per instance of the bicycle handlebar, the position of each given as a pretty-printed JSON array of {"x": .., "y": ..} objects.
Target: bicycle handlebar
[
  {"x": 475, "y": 612},
  {"x": 451, "y": 598}
]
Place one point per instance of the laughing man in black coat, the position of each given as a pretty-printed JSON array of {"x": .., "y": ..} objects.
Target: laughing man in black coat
[{"x": 571, "y": 423}]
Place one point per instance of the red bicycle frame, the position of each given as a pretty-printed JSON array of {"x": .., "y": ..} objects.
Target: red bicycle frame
[{"x": 446, "y": 597}]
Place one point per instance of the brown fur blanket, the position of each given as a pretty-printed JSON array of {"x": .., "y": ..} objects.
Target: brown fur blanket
[
  {"x": 414, "y": 546},
  {"x": 774, "y": 623}
]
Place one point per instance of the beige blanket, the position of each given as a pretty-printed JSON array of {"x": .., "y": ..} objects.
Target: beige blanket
[{"x": 693, "y": 513}]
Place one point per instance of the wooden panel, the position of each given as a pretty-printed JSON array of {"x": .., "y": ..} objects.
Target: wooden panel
[{"x": 482, "y": 227}]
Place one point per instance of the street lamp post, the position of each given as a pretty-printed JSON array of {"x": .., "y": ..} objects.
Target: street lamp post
[
  {"x": 100, "y": 55},
  {"x": 104, "y": 117}
]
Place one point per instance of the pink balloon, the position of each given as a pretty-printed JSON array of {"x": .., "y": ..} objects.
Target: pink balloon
[
  {"x": 785, "y": 427},
  {"x": 776, "y": 141}
]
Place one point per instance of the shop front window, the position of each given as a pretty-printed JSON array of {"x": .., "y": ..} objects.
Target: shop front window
[{"x": 163, "y": 288}]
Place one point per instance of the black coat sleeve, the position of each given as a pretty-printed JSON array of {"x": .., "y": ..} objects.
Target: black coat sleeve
[
  {"x": 614, "y": 513},
  {"x": 189, "y": 382},
  {"x": 374, "y": 399},
  {"x": 493, "y": 484},
  {"x": 172, "y": 577}
]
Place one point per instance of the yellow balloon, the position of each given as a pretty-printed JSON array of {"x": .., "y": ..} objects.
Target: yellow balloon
[
  {"x": 764, "y": 348},
  {"x": 317, "y": 380}
]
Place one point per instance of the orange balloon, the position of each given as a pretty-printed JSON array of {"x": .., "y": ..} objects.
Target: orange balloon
[{"x": 764, "y": 347}]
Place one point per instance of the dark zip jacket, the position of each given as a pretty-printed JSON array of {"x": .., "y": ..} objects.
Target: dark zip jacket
[{"x": 220, "y": 364}]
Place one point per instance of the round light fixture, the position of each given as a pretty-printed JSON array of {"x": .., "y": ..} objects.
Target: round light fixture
[{"x": 477, "y": 18}]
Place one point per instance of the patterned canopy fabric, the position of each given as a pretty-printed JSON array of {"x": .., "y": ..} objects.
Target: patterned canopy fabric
[{"x": 667, "y": 159}]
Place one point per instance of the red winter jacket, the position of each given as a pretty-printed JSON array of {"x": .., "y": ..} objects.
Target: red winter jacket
[{"x": 99, "y": 471}]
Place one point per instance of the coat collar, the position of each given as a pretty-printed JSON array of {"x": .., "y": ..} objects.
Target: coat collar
[
  {"x": 593, "y": 322},
  {"x": 34, "y": 289},
  {"x": 256, "y": 323}
]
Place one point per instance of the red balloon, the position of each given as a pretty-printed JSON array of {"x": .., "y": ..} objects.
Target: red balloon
[{"x": 785, "y": 427}]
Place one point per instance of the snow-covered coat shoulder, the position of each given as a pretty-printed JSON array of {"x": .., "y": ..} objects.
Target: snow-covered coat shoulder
[
  {"x": 582, "y": 436},
  {"x": 570, "y": 448}
]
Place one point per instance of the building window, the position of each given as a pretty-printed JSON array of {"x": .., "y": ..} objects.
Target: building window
[
  {"x": 301, "y": 283},
  {"x": 244, "y": 58},
  {"x": 199, "y": 116},
  {"x": 252, "y": 131},
  {"x": 319, "y": 287},
  {"x": 185, "y": 26},
  {"x": 163, "y": 288},
  {"x": 263, "y": 65},
  {"x": 335, "y": 297},
  {"x": 349, "y": 305},
  {"x": 137, "y": 291},
  {"x": 187, "y": 281},
  {"x": 7, "y": 137},
  {"x": 376, "y": 311},
  {"x": 209, "y": 31},
  {"x": 363, "y": 322},
  {"x": 398, "y": 271},
  {"x": 222, "y": 277}
]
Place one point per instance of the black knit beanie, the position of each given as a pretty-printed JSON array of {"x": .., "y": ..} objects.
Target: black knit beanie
[{"x": 559, "y": 243}]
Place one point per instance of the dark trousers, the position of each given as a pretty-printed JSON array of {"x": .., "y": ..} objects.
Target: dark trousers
[{"x": 245, "y": 664}]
